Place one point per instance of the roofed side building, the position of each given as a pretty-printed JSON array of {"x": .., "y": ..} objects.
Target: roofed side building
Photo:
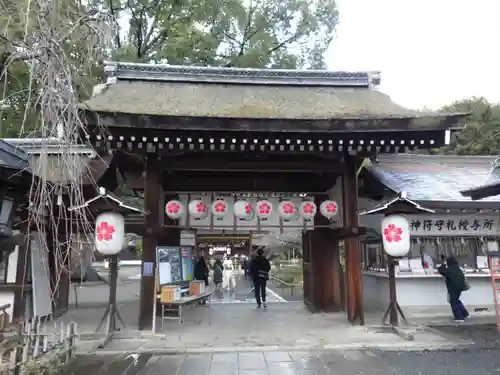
[{"x": 435, "y": 181}]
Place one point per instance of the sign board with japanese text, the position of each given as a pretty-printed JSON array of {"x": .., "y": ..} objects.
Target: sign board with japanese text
[{"x": 453, "y": 225}]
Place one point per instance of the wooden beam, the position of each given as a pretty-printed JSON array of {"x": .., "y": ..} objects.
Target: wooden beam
[
  {"x": 182, "y": 182},
  {"x": 354, "y": 285},
  {"x": 262, "y": 166},
  {"x": 256, "y": 184}
]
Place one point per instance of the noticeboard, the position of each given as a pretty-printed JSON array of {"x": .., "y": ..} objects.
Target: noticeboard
[{"x": 174, "y": 264}]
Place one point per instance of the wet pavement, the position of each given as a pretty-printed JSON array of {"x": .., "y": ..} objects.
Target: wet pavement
[
  {"x": 350, "y": 362},
  {"x": 483, "y": 335}
]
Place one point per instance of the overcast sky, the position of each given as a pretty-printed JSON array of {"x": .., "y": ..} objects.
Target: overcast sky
[{"x": 430, "y": 52}]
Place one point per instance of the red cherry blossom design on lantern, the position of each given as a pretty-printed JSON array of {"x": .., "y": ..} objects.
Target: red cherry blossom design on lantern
[
  {"x": 173, "y": 208},
  {"x": 248, "y": 208},
  {"x": 200, "y": 207},
  {"x": 331, "y": 207},
  {"x": 264, "y": 209},
  {"x": 220, "y": 207},
  {"x": 105, "y": 231},
  {"x": 288, "y": 208},
  {"x": 308, "y": 208},
  {"x": 392, "y": 233}
]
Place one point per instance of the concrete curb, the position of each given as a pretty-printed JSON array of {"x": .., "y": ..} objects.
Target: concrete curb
[{"x": 404, "y": 334}]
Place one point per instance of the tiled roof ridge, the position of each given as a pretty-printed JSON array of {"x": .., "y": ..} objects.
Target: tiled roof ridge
[{"x": 203, "y": 74}]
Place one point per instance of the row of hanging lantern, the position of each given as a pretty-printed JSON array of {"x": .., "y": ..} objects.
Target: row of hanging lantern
[{"x": 246, "y": 210}]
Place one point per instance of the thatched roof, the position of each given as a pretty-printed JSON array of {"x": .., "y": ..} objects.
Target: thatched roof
[{"x": 245, "y": 93}]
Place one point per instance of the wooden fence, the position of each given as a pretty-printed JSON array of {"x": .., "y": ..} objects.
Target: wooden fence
[{"x": 38, "y": 347}]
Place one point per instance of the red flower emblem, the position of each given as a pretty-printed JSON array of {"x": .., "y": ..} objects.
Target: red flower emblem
[
  {"x": 331, "y": 207},
  {"x": 288, "y": 208},
  {"x": 264, "y": 208},
  {"x": 248, "y": 208},
  {"x": 200, "y": 207},
  {"x": 308, "y": 208},
  {"x": 105, "y": 231},
  {"x": 392, "y": 233},
  {"x": 173, "y": 208},
  {"x": 220, "y": 207}
]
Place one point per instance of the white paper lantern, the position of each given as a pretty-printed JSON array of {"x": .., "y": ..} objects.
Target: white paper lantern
[
  {"x": 243, "y": 210},
  {"x": 174, "y": 209},
  {"x": 287, "y": 210},
  {"x": 219, "y": 208},
  {"x": 308, "y": 209},
  {"x": 328, "y": 209},
  {"x": 110, "y": 233},
  {"x": 198, "y": 209},
  {"x": 264, "y": 209},
  {"x": 396, "y": 235}
]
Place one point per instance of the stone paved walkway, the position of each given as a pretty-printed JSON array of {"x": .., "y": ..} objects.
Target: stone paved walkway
[
  {"x": 333, "y": 362},
  {"x": 284, "y": 326}
]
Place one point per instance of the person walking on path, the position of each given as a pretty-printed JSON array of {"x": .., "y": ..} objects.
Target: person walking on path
[
  {"x": 259, "y": 269},
  {"x": 455, "y": 285}
]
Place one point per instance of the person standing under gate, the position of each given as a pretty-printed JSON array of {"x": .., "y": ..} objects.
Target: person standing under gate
[{"x": 259, "y": 269}]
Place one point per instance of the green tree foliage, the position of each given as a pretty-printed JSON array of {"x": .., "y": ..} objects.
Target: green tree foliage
[
  {"x": 482, "y": 133},
  {"x": 233, "y": 33},
  {"x": 24, "y": 32},
  {"x": 240, "y": 33}
]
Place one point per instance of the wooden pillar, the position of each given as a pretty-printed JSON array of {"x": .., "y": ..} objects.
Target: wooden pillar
[
  {"x": 152, "y": 190},
  {"x": 323, "y": 266},
  {"x": 326, "y": 260},
  {"x": 354, "y": 280},
  {"x": 307, "y": 271}
]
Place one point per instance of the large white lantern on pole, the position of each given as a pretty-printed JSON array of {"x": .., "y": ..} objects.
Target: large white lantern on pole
[
  {"x": 110, "y": 233},
  {"x": 109, "y": 241},
  {"x": 308, "y": 210},
  {"x": 396, "y": 235},
  {"x": 287, "y": 210},
  {"x": 243, "y": 210},
  {"x": 174, "y": 209},
  {"x": 198, "y": 209},
  {"x": 219, "y": 208},
  {"x": 264, "y": 209}
]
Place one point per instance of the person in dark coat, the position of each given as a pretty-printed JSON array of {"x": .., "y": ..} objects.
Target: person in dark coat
[
  {"x": 218, "y": 277},
  {"x": 259, "y": 269},
  {"x": 455, "y": 285},
  {"x": 201, "y": 270},
  {"x": 246, "y": 265}
]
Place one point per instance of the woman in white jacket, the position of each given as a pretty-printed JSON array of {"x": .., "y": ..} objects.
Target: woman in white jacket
[{"x": 228, "y": 282}]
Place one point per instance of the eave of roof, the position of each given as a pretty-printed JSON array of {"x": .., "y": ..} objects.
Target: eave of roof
[
  {"x": 49, "y": 146},
  {"x": 12, "y": 157},
  {"x": 489, "y": 189}
]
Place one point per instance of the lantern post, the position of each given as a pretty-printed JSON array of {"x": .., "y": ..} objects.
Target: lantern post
[
  {"x": 395, "y": 232},
  {"x": 109, "y": 241}
]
